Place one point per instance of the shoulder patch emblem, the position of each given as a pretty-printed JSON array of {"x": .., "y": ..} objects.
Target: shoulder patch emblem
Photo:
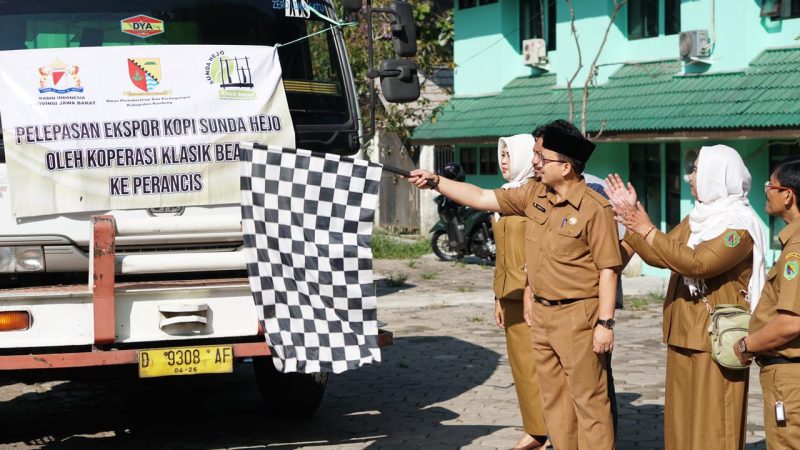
[
  {"x": 732, "y": 239},
  {"x": 793, "y": 255},
  {"x": 790, "y": 270}
]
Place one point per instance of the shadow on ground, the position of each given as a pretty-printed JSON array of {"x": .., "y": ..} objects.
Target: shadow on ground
[{"x": 391, "y": 405}]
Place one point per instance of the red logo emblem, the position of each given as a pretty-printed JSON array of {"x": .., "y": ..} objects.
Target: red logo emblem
[{"x": 142, "y": 26}]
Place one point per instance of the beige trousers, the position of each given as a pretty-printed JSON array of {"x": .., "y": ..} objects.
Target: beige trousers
[
  {"x": 781, "y": 382},
  {"x": 571, "y": 376},
  {"x": 520, "y": 357}
]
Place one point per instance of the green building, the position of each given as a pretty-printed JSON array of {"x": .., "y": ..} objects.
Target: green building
[{"x": 673, "y": 76}]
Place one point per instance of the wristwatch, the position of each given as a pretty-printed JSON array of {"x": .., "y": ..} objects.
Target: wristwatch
[
  {"x": 608, "y": 323},
  {"x": 742, "y": 345}
]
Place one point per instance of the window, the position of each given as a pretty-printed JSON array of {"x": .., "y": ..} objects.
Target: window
[
  {"x": 777, "y": 152},
  {"x": 469, "y": 160},
  {"x": 464, "y": 4},
  {"x": 674, "y": 180},
  {"x": 489, "y": 161},
  {"x": 538, "y": 21},
  {"x": 645, "y": 173},
  {"x": 780, "y": 9},
  {"x": 672, "y": 17},
  {"x": 442, "y": 154},
  {"x": 643, "y": 18}
]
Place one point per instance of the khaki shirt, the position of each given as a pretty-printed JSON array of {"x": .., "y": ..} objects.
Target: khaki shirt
[
  {"x": 782, "y": 290},
  {"x": 566, "y": 243},
  {"x": 509, "y": 265},
  {"x": 724, "y": 263}
]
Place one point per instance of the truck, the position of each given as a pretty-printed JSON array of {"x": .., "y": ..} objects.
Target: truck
[{"x": 158, "y": 289}]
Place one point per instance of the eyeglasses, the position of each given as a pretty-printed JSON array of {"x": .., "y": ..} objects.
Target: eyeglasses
[
  {"x": 545, "y": 160},
  {"x": 768, "y": 187}
]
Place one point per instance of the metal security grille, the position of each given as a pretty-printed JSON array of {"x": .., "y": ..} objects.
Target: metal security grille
[{"x": 442, "y": 154}]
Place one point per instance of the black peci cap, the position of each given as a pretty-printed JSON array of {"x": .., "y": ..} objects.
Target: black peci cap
[{"x": 575, "y": 147}]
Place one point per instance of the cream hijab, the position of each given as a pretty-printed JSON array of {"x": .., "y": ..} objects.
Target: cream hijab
[
  {"x": 722, "y": 184},
  {"x": 520, "y": 159}
]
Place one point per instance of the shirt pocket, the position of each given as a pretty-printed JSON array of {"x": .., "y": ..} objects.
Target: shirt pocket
[{"x": 567, "y": 241}]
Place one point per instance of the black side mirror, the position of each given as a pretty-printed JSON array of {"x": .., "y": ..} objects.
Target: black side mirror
[
  {"x": 399, "y": 80},
  {"x": 351, "y": 5},
  {"x": 404, "y": 30}
]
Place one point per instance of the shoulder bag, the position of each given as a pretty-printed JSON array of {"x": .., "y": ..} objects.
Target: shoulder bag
[{"x": 729, "y": 323}]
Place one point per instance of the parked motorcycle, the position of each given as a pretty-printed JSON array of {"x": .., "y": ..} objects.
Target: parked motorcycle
[{"x": 461, "y": 231}]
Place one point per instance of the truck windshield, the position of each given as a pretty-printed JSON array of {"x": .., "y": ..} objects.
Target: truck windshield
[{"x": 312, "y": 69}]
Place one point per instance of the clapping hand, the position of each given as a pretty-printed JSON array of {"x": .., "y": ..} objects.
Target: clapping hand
[{"x": 627, "y": 209}]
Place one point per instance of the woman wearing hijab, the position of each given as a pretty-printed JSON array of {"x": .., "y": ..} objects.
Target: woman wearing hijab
[
  {"x": 515, "y": 154},
  {"x": 716, "y": 255}
]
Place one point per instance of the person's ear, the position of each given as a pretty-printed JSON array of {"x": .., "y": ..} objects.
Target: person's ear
[{"x": 565, "y": 171}]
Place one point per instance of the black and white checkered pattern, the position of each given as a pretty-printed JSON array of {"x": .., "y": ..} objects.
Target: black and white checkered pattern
[{"x": 307, "y": 223}]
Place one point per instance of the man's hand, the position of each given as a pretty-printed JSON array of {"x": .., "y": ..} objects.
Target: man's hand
[
  {"x": 420, "y": 177},
  {"x": 603, "y": 340},
  {"x": 498, "y": 313},
  {"x": 527, "y": 310},
  {"x": 744, "y": 358}
]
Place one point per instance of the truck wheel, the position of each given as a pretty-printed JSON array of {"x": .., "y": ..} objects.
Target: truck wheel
[
  {"x": 441, "y": 246},
  {"x": 288, "y": 394}
]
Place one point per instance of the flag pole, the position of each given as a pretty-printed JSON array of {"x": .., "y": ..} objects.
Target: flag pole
[{"x": 386, "y": 167}]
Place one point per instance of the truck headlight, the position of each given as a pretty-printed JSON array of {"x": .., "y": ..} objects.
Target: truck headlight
[
  {"x": 21, "y": 259},
  {"x": 29, "y": 259}
]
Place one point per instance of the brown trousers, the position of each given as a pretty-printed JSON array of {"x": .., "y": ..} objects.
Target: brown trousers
[
  {"x": 571, "y": 376},
  {"x": 520, "y": 357},
  {"x": 781, "y": 382},
  {"x": 705, "y": 406}
]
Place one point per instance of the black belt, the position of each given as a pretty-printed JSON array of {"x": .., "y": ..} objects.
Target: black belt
[
  {"x": 547, "y": 302},
  {"x": 763, "y": 361}
]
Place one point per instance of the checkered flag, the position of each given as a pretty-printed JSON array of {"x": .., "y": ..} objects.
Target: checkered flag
[{"x": 307, "y": 224}]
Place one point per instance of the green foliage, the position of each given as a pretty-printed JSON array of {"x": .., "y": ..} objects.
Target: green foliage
[
  {"x": 428, "y": 275},
  {"x": 396, "y": 280},
  {"x": 412, "y": 263},
  {"x": 385, "y": 246}
]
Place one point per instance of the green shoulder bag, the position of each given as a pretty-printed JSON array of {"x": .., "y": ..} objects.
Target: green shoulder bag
[{"x": 729, "y": 323}]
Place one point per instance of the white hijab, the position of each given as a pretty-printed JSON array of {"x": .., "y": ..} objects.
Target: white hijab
[
  {"x": 722, "y": 184},
  {"x": 520, "y": 158}
]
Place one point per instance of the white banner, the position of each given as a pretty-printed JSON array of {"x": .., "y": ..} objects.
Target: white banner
[{"x": 100, "y": 128}]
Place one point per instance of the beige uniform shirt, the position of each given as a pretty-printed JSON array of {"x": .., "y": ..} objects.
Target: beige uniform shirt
[
  {"x": 566, "y": 242},
  {"x": 782, "y": 290},
  {"x": 509, "y": 266},
  {"x": 724, "y": 263}
]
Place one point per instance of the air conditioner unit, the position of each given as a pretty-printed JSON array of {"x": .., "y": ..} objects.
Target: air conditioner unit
[
  {"x": 534, "y": 52},
  {"x": 694, "y": 44}
]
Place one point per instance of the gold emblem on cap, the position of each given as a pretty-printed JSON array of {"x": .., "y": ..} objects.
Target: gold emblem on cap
[{"x": 572, "y": 221}]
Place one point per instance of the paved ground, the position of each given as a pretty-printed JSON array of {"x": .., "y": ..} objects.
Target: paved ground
[{"x": 444, "y": 384}]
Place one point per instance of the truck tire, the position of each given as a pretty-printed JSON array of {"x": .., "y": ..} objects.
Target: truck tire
[
  {"x": 441, "y": 246},
  {"x": 288, "y": 394}
]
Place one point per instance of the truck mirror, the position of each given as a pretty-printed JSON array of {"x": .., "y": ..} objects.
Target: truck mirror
[
  {"x": 351, "y": 5},
  {"x": 399, "y": 80},
  {"x": 404, "y": 30}
]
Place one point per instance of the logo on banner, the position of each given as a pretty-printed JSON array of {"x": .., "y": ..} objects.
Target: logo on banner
[
  {"x": 232, "y": 74},
  {"x": 60, "y": 78},
  {"x": 142, "y": 26},
  {"x": 145, "y": 74}
]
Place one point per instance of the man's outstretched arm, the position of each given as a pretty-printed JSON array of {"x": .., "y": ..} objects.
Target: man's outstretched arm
[{"x": 463, "y": 193}]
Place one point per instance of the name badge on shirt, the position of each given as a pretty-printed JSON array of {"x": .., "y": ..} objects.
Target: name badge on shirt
[{"x": 539, "y": 207}]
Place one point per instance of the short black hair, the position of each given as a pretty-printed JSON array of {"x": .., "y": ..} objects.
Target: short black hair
[
  {"x": 569, "y": 128},
  {"x": 787, "y": 172}
]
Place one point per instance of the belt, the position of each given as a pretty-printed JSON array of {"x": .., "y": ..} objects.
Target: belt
[
  {"x": 763, "y": 361},
  {"x": 547, "y": 302}
]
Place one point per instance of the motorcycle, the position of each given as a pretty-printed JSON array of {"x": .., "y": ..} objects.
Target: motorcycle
[{"x": 462, "y": 231}]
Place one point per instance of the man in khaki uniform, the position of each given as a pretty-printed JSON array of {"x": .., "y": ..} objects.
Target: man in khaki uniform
[
  {"x": 775, "y": 326},
  {"x": 572, "y": 253}
]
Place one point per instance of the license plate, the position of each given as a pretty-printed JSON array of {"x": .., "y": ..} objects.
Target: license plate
[{"x": 164, "y": 362}]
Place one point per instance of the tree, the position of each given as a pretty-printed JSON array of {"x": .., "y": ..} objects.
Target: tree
[
  {"x": 435, "y": 34},
  {"x": 618, "y": 4}
]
